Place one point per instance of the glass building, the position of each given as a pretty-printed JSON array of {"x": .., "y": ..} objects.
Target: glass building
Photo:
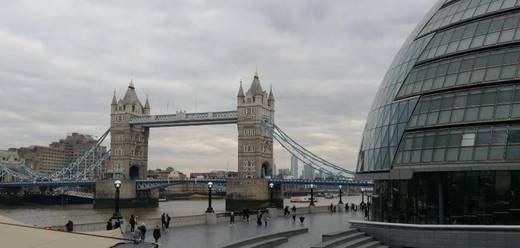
[{"x": 442, "y": 139}]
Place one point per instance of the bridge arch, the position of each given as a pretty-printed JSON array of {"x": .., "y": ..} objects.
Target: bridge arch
[
  {"x": 267, "y": 170},
  {"x": 133, "y": 172}
]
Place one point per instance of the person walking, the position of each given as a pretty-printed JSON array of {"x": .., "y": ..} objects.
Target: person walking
[
  {"x": 163, "y": 220},
  {"x": 331, "y": 207},
  {"x": 232, "y": 218},
  {"x": 286, "y": 211},
  {"x": 259, "y": 218},
  {"x": 247, "y": 215},
  {"x": 132, "y": 222},
  {"x": 109, "y": 225},
  {"x": 168, "y": 219},
  {"x": 266, "y": 217},
  {"x": 156, "y": 233},
  {"x": 142, "y": 228},
  {"x": 69, "y": 226},
  {"x": 137, "y": 236},
  {"x": 293, "y": 212}
]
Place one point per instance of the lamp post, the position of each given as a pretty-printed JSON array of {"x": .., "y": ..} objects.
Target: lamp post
[
  {"x": 117, "y": 215},
  {"x": 271, "y": 186},
  {"x": 312, "y": 195},
  {"x": 210, "y": 209},
  {"x": 340, "y": 199}
]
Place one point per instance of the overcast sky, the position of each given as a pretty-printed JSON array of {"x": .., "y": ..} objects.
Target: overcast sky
[{"x": 60, "y": 62}]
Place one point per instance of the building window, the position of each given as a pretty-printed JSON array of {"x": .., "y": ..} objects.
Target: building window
[{"x": 468, "y": 139}]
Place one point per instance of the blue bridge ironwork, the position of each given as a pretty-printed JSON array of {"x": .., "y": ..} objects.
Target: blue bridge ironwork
[{"x": 142, "y": 185}]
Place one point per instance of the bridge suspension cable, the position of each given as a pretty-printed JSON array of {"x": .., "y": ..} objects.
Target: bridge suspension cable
[
  {"x": 301, "y": 153},
  {"x": 71, "y": 171}
]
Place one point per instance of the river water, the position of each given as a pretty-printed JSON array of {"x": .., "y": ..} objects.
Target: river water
[{"x": 84, "y": 213}]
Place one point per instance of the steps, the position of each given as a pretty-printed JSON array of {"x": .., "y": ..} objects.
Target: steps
[
  {"x": 266, "y": 240},
  {"x": 350, "y": 238},
  {"x": 268, "y": 243}
]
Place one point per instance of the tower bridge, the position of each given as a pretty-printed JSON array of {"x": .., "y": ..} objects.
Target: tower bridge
[{"x": 127, "y": 159}]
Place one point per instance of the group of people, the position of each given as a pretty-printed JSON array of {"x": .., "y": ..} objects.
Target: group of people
[
  {"x": 139, "y": 233},
  {"x": 263, "y": 216},
  {"x": 165, "y": 220}
]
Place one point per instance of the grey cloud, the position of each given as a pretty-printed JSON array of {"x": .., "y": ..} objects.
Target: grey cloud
[{"x": 60, "y": 61}]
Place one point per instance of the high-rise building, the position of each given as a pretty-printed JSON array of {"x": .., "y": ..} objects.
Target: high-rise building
[
  {"x": 308, "y": 172},
  {"x": 294, "y": 166},
  {"x": 442, "y": 138}
]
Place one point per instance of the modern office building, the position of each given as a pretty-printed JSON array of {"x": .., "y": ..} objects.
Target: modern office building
[
  {"x": 308, "y": 172},
  {"x": 442, "y": 139},
  {"x": 294, "y": 167}
]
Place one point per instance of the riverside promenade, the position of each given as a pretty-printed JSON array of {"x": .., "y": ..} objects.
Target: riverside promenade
[{"x": 216, "y": 235}]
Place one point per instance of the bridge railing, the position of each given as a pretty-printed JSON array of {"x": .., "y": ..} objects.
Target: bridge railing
[{"x": 182, "y": 116}]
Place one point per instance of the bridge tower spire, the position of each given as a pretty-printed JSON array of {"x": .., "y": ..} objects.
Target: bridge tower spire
[{"x": 255, "y": 145}]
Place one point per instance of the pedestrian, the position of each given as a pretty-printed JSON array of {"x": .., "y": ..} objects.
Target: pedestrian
[
  {"x": 232, "y": 218},
  {"x": 259, "y": 218},
  {"x": 142, "y": 228},
  {"x": 69, "y": 226},
  {"x": 302, "y": 218},
  {"x": 156, "y": 233},
  {"x": 286, "y": 211},
  {"x": 266, "y": 217},
  {"x": 243, "y": 215},
  {"x": 137, "y": 236},
  {"x": 109, "y": 225},
  {"x": 247, "y": 215},
  {"x": 117, "y": 224},
  {"x": 168, "y": 219},
  {"x": 331, "y": 207},
  {"x": 346, "y": 207},
  {"x": 293, "y": 210},
  {"x": 132, "y": 222},
  {"x": 163, "y": 220}
]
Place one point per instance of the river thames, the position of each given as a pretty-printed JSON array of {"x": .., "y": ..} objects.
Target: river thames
[{"x": 84, "y": 213}]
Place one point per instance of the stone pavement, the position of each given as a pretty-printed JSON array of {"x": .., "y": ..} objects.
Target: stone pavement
[{"x": 210, "y": 236}]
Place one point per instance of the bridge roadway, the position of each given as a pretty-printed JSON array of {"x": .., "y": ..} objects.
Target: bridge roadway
[{"x": 160, "y": 183}]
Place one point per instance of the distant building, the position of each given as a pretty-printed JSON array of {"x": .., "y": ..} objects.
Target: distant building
[
  {"x": 283, "y": 173},
  {"x": 294, "y": 166},
  {"x": 215, "y": 174},
  {"x": 169, "y": 172},
  {"x": 48, "y": 159},
  {"x": 10, "y": 159},
  {"x": 42, "y": 158},
  {"x": 308, "y": 172}
]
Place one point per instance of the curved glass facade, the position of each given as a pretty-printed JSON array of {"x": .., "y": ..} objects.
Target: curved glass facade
[{"x": 442, "y": 138}]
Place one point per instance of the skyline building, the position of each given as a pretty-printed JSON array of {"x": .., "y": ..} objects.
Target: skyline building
[
  {"x": 442, "y": 138},
  {"x": 308, "y": 172},
  {"x": 294, "y": 167}
]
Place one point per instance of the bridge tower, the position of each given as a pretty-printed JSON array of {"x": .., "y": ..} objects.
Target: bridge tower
[
  {"x": 255, "y": 145},
  {"x": 129, "y": 144},
  {"x": 255, "y": 152},
  {"x": 129, "y": 155}
]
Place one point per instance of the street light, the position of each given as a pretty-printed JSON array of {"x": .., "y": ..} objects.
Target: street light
[
  {"x": 271, "y": 186},
  {"x": 312, "y": 195},
  {"x": 340, "y": 199},
  {"x": 117, "y": 215},
  {"x": 210, "y": 209}
]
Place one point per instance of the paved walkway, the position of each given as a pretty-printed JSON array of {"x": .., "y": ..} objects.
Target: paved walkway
[{"x": 211, "y": 236}]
